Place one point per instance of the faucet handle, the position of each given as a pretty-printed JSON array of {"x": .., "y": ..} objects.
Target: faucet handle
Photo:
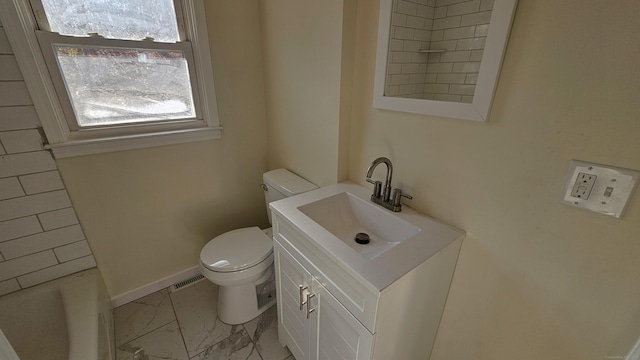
[
  {"x": 377, "y": 187},
  {"x": 397, "y": 194}
]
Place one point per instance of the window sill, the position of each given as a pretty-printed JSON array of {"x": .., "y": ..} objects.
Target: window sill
[{"x": 129, "y": 142}]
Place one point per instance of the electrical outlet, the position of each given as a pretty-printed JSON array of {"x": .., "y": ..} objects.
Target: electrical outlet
[
  {"x": 583, "y": 186},
  {"x": 600, "y": 188}
]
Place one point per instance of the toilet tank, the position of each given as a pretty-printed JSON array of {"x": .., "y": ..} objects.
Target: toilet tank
[{"x": 281, "y": 183}]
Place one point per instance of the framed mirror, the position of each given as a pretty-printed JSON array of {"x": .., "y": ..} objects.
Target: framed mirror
[{"x": 441, "y": 57}]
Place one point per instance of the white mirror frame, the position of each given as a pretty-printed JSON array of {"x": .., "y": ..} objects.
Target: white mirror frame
[{"x": 478, "y": 110}]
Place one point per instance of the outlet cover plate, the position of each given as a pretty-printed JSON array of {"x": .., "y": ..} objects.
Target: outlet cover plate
[{"x": 610, "y": 192}]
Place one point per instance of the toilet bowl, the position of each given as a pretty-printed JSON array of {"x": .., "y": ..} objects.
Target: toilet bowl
[{"x": 240, "y": 261}]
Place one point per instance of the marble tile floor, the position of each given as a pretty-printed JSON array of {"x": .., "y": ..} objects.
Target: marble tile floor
[{"x": 184, "y": 326}]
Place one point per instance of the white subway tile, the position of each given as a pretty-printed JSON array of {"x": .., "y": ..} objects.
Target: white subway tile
[
  {"x": 1, "y": 258},
  {"x": 403, "y": 33},
  {"x": 444, "y": 45},
  {"x": 431, "y": 3},
  {"x": 481, "y": 30},
  {"x": 468, "y": 99},
  {"x": 476, "y": 55},
  {"x": 18, "y": 118},
  {"x": 440, "y": 12},
  {"x": 462, "y": 89},
  {"x": 410, "y": 68},
  {"x": 426, "y": 12},
  {"x": 459, "y": 33},
  {"x": 405, "y": 7},
  {"x": 5, "y": 47},
  {"x": 72, "y": 251},
  {"x": 26, "y": 163},
  {"x": 446, "y": 23},
  {"x": 422, "y": 35},
  {"x": 471, "y": 44},
  {"x": 33, "y": 204},
  {"x": 41, "y": 182},
  {"x": 420, "y": 58},
  {"x": 466, "y": 67},
  {"x": 439, "y": 68},
  {"x": 42, "y": 241},
  {"x": 10, "y": 188},
  {"x": 486, "y": 5},
  {"x": 415, "y": 22},
  {"x": 2, "y": 152},
  {"x": 26, "y": 264},
  {"x": 58, "y": 271},
  {"x": 416, "y": 78},
  {"x": 399, "y": 19},
  {"x": 455, "y": 56},
  {"x": 431, "y": 78},
  {"x": 9, "y": 286},
  {"x": 13, "y": 229},
  {"x": 399, "y": 80},
  {"x": 422, "y": 69},
  {"x": 396, "y": 45},
  {"x": 401, "y": 57},
  {"x": 448, "y": 97},
  {"x": 472, "y": 79},
  {"x": 9, "y": 70},
  {"x": 14, "y": 93},
  {"x": 451, "y": 78},
  {"x": 394, "y": 69},
  {"x": 466, "y": 7},
  {"x": 480, "y": 18},
  {"x": 21, "y": 141},
  {"x": 436, "y": 88},
  {"x": 410, "y": 45},
  {"x": 57, "y": 219},
  {"x": 407, "y": 89},
  {"x": 391, "y": 90}
]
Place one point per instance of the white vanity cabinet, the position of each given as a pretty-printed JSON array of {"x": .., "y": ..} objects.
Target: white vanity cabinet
[
  {"x": 326, "y": 310},
  {"x": 312, "y": 322}
]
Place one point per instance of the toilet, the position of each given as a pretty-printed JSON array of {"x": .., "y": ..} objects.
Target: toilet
[{"x": 240, "y": 261}]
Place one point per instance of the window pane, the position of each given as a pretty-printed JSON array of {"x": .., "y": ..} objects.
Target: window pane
[
  {"x": 118, "y": 86},
  {"x": 115, "y": 19}
]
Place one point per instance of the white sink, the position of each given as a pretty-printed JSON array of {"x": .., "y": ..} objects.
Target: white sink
[
  {"x": 330, "y": 217},
  {"x": 345, "y": 215}
]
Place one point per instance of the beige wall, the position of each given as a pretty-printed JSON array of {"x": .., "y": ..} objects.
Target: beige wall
[
  {"x": 535, "y": 279},
  {"x": 303, "y": 49},
  {"x": 148, "y": 212}
]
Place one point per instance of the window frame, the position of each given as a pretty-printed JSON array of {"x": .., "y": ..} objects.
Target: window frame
[{"x": 23, "y": 32}]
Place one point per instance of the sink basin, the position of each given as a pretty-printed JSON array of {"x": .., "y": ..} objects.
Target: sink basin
[
  {"x": 324, "y": 222},
  {"x": 344, "y": 215}
]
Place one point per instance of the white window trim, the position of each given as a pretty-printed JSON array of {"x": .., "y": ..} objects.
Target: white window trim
[{"x": 20, "y": 27}]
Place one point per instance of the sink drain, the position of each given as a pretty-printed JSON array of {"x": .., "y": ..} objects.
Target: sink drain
[{"x": 362, "y": 238}]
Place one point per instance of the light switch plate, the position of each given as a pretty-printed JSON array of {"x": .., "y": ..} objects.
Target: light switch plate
[{"x": 600, "y": 188}]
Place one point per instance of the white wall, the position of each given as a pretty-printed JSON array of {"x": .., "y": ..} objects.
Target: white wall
[
  {"x": 535, "y": 279},
  {"x": 148, "y": 212},
  {"x": 304, "y": 46}
]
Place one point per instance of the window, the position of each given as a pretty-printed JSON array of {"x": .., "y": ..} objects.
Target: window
[{"x": 124, "y": 73}]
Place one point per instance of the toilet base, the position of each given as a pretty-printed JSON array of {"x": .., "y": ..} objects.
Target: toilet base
[{"x": 239, "y": 304}]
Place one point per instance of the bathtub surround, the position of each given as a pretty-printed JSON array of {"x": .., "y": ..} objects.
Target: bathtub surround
[
  {"x": 40, "y": 237},
  {"x": 183, "y": 325}
]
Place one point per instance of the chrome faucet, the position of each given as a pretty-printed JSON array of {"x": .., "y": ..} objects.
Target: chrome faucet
[{"x": 382, "y": 194}]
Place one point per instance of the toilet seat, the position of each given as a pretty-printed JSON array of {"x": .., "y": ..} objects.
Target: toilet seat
[{"x": 236, "y": 250}]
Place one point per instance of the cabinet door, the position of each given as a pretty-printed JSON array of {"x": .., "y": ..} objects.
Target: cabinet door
[
  {"x": 340, "y": 336},
  {"x": 293, "y": 325}
]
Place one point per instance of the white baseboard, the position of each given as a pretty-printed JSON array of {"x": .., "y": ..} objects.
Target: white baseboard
[{"x": 147, "y": 289}]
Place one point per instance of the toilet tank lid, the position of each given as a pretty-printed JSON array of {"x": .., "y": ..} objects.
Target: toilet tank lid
[{"x": 287, "y": 182}]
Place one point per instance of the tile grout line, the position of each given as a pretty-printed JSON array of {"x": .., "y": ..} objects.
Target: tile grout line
[{"x": 173, "y": 308}]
